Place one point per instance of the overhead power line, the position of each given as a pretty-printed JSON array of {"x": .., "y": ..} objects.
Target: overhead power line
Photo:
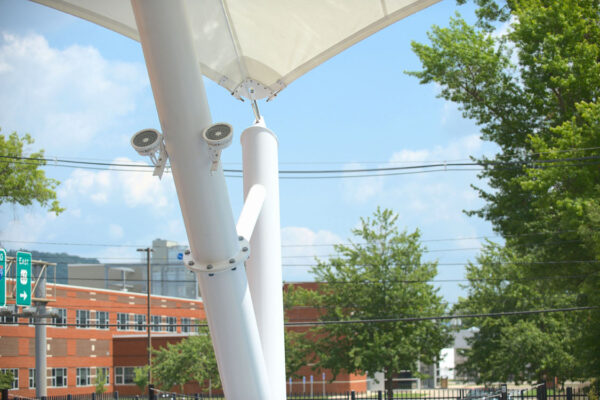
[
  {"x": 327, "y": 173},
  {"x": 346, "y": 322}
]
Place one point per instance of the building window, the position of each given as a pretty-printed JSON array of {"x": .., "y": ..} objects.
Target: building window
[
  {"x": 61, "y": 317},
  {"x": 122, "y": 321},
  {"x": 8, "y": 319},
  {"x": 31, "y": 378},
  {"x": 102, "y": 319},
  {"x": 106, "y": 372},
  {"x": 171, "y": 322},
  {"x": 82, "y": 318},
  {"x": 83, "y": 377},
  {"x": 156, "y": 320},
  {"x": 194, "y": 327},
  {"x": 140, "y": 322},
  {"x": 185, "y": 325},
  {"x": 15, "y": 373},
  {"x": 124, "y": 375},
  {"x": 59, "y": 377}
]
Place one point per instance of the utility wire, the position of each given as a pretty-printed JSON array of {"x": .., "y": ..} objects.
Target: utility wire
[
  {"x": 529, "y": 234},
  {"x": 444, "y": 165},
  {"x": 348, "y": 322}
]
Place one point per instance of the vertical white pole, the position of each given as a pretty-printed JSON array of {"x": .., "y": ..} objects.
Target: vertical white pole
[
  {"x": 260, "y": 162},
  {"x": 182, "y": 106}
]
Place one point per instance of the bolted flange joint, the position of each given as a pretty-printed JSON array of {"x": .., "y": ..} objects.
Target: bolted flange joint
[{"x": 221, "y": 265}]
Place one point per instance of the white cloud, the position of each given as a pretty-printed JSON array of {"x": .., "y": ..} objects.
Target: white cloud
[
  {"x": 30, "y": 226},
  {"x": 135, "y": 187},
  {"x": 63, "y": 97},
  {"x": 361, "y": 190},
  {"x": 300, "y": 246}
]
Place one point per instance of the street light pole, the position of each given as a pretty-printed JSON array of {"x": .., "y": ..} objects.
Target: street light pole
[{"x": 148, "y": 250}]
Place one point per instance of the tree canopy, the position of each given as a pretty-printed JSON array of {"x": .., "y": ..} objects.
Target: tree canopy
[
  {"x": 21, "y": 180},
  {"x": 528, "y": 73},
  {"x": 380, "y": 275},
  {"x": 190, "y": 360}
]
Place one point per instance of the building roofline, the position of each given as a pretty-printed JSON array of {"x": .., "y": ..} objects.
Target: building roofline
[{"x": 144, "y": 295}]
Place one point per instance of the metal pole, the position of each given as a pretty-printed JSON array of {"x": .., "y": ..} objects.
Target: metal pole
[
  {"x": 148, "y": 250},
  {"x": 40, "y": 338},
  {"x": 170, "y": 54},
  {"x": 260, "y": 164}
]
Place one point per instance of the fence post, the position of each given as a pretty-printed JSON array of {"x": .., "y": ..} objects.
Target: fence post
[
  {"x": 116, "y": 395},
  {"x": 569, "y": 393},
  {"x": 353, "y": 395},
  {"x": 503, "y": 392},
  {"x": 69, "y": 397},
  {"x": 379, "y": 395},
  {"x": 93, "y": 396},
  {"x": 4, "y": 394}
]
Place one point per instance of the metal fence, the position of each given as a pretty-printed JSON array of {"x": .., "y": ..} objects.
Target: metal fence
[{"x": 501, "y": 393}]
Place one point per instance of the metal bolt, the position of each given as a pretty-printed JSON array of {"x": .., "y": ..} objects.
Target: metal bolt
[
  {"x": 231, "y": 260},
  {"x": 190, "y": 263},
  {"x": 234, "y": 268},
  {"x": 240, "y": 238},
  {"x": 187, "y": 252},
  {"x": 209, "y": 266},
  {"x": 211, "y": 274},
  {"x": 244, "y": 249}
]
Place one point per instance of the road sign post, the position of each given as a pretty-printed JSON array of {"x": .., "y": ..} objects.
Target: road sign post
[
  {"x": 2, "y": 277},
  {"x": 23, "y": 292}
]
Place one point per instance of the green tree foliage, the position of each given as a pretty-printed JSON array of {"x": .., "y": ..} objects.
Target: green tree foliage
[
  {"x": 6, "y": 380},
  {"x": 516, "y": 348},
  {"x": 190, "y": 360},
  {"x": 100, "y": 382},
  {"x": 140, "y": 377},
  {"x": 22, "y": 181},
  {"x": 533, "y": 90},
  {"x": 380, "y": 275}
]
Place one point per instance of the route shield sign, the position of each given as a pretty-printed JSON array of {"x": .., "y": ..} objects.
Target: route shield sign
[
  {"x": 2, "y": 277},
  {"x": 23, "y": 292}
]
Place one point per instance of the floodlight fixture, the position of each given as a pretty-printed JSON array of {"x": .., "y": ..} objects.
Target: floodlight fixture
[
  {"x": 218, "y": 136},
  {"x": 150, "y": 143}
]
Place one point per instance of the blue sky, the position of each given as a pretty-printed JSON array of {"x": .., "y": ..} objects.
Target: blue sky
[{"x": 81, "y": 91}]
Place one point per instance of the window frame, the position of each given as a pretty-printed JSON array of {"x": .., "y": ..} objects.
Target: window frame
[
  {"x": 104, "y": 324},
  {"x": 123, "y": 326},
  {"x": 83, "y": 377},
  {"x": 121, "y": 373},
  {"x": 140, "y": 322},
  {"x": 78, "y": 319},
  {"x": 32, "y": 382},
  {"x": 171, "y": 324},
  {"x": 54, "y": 376},
  {"x": 60, "y": 321}
]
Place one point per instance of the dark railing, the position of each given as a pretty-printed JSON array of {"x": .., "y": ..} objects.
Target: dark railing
[{"x": 537, "y": 393}]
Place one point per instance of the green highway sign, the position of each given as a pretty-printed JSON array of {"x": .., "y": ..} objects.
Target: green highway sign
[
  {"x": 2, "y": 277},
  {"x": 23, "y": 292}
]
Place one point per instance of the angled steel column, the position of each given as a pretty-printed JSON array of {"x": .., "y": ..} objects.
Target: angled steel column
[
  {"x": 182, "y": 106},
  {"x": 260, "y": 161}
]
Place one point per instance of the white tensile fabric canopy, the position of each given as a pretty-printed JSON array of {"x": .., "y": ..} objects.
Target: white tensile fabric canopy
[{"x": 254, "y": 48}]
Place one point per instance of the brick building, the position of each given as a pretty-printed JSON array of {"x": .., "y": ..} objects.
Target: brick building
[
  {"x": 106, "y": 329},
  {"x": 87, "y": 336}
]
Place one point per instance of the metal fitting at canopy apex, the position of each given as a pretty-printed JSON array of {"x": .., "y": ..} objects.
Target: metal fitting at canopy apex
[{"x": 220, "y": 265}]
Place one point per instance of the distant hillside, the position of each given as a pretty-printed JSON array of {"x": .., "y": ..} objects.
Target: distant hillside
[{"x": 61, "y": 260}]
